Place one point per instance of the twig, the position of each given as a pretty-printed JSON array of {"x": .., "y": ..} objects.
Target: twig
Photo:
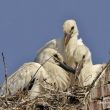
[{"x": 5, "y": 68}]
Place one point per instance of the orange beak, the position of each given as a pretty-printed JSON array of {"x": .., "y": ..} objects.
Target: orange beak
[{"x": 66, "y": 38}]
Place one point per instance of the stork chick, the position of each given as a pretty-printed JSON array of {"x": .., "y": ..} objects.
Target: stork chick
[
  {"x": 55, "y": 68},
  {"x": 70, "y": 40}
]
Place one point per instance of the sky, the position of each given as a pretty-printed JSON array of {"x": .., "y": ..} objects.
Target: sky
[{"x": 26, "y": 25}]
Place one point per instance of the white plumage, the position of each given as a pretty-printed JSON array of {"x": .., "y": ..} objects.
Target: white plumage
[
  {"x": 21, "y": 78},
  {"x": 56, "y": 44},
  {"x": 70, "y": 40},
  {"x": 65, "y": 46},
  {"x": 73, "y": 50},
  {"x": 85, "y": 76},
  {"x": 70, "y": 44},
  {"x": 50, "y": 76},
  {"x": 58, "y": 76},
  {"x": 82, "y": 51},
  {"x": 89, "y": 70},
  {"x": 89, "y": 73}
]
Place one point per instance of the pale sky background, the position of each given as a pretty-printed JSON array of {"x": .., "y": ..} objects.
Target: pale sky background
[{"x": 26, "y": 25}]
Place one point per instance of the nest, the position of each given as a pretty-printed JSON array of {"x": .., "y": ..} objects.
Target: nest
[{"x": 52, "y": 100}]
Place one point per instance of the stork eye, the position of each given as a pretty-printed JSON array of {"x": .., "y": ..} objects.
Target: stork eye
[
  {"x": 72, "y": 27},
  {"x": 55, "y": 55}
]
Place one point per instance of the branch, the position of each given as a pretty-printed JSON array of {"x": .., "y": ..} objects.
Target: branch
[{"x": 5, "y": 68}]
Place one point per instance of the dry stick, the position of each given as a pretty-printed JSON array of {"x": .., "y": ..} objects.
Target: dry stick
[
  {"x": 93, "y": 83},
  {"x": 5, "y": 68}
]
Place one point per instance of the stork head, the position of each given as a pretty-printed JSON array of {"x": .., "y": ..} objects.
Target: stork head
[
  {"x": 51, "y": 55},
  {"x": 70, "y": 29},
  {"x": 56, "y": 56}
]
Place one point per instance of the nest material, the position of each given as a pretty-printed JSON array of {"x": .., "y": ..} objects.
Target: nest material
[{"x": 53, "y": 100}]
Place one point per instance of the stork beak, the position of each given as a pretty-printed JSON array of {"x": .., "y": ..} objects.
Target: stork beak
[
  {"x": 66, "y": 38},
  {"x": 67, "y": 68}
]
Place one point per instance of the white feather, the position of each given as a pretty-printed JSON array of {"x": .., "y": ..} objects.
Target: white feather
[
  {"x": 58, "y": 76},
  {"x": 72, "y": 44},
  {"x": 21, "y": 78},
  {"x": 55, "y": 77}
]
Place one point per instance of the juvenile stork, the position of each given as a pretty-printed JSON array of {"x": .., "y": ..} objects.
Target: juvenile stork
[
  {"x": 51, "y": 73},
  {"x": 57, "y": 70},
  {"x": 89, "y": 71},
  {"x": 70, "y": 40},
  {"x": 75, "y": 51}
]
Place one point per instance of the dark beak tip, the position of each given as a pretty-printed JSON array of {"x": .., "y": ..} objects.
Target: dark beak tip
[{"x": 67, "y": 68}]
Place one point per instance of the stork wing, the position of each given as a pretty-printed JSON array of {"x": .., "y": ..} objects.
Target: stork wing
[{"x": 20, "y": 78}]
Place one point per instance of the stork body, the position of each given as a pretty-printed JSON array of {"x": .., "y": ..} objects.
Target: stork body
[
  {"x": 89, "y": 73},
  {"x": 70, "y": 44},
  {"x": 70, "y": 40},
  {"x": 58, "y": 76}
]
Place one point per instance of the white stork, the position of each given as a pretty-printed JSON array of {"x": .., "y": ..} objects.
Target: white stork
[
  {"x": 57, "y": 70},
  {"x": 55, "y": 67},
  {"x": 82, "y": 53},
  {"x": 70, "y": 44},
  {"x": 70, "y": 40},
  {"x": 51, "y": 75},
  {"x": 75, "y": 50},
  {"x": 89, "y": 71}
]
